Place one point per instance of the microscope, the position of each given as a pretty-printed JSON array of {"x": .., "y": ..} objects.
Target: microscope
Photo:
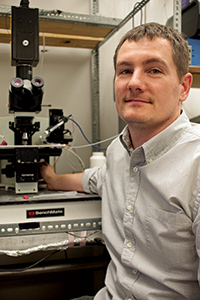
[{"x": 25, "y": 100}]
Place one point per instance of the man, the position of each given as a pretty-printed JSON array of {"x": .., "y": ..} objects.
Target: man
[{"x": 150, "y": 185}]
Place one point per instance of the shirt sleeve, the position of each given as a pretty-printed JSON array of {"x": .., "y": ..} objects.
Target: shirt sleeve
[
  {"x": 92, "y": 180},
  {"x": 196, "y": 231}
]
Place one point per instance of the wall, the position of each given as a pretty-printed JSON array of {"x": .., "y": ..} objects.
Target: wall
[
  {"x": 66, "y": 73},
  {"x": 155, "y": 11}
]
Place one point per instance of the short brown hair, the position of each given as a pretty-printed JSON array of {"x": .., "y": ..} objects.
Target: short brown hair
[{"x": 180, "y": 49}]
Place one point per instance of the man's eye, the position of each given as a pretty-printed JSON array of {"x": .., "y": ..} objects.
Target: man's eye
[
  {"x": 155, "y": 71},
  {"x": 125, "y": 72}
]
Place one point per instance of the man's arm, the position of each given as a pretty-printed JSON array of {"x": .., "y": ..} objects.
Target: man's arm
[{"x": 63, "y": 182}]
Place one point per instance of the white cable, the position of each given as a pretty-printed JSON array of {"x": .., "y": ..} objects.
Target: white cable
[
  {"x": 77, "y": 156},
  {"x": 89, "y": 145}
]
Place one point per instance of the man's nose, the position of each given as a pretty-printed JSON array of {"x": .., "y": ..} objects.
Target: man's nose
[{"x": 136, "y": 81}]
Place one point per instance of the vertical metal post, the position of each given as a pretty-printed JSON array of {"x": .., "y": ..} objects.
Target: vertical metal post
[
  {"x": 95, "y": 95},
  {"x": 177, "y": 17},
  {"x": 94, "y": 6},
  {"x": 95, "y": 84}
]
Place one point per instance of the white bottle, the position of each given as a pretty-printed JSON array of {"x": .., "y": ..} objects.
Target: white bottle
[{"x": 97, "y": 159}]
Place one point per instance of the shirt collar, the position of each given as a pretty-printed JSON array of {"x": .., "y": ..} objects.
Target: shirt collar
[{"x": 162, "y": 142}]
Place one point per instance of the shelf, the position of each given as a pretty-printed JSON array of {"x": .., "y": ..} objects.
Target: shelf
[
  {"x": 195, "y": 70},
  {"x": 63, "y": 29}
]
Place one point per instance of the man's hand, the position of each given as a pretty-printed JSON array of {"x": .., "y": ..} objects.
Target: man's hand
[
  {"x": 48, "y": 175},
  {"x": 61, "y": 182}
]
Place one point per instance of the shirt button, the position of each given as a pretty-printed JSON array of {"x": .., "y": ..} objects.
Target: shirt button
[
  {"x": 135, "y": 271},
  {"x": 150, "y": 161},
  {"x": 130, "y": 207},
  {"x": 129, "y": 244},
  {"x": 135, "y": 169}
]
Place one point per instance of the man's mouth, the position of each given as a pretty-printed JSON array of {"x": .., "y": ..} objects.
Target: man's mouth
[{"x": 137, "y": 101}]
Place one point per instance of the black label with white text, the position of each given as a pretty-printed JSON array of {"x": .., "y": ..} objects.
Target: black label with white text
[{"x": 42, "y": 213}]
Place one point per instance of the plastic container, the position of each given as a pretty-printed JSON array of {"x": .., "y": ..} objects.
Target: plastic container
[{"x": 97, "y": 159}]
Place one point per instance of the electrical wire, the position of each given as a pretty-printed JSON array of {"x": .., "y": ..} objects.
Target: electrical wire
[
  {"x": 83, "y": 237},
  {"x": 141, "y": 14},
  {"x": 17, "y": 270},
  {"x": 102, "y": 141},
  {"x": 85, "y": 135},
  {"x": 32, "y": 265},
  {"x": 81, "y": 163},
  {"x": 77, "y": 156}
]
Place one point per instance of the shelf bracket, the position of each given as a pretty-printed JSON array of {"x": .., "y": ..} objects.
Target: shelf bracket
[
  {"x": 95, "y": 95},
  {"x": 177, "y": 15}
]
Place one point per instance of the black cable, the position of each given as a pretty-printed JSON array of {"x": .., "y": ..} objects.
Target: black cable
[
  {"x": 31, "y": 266},
  {"x": 85, "y": 135}
]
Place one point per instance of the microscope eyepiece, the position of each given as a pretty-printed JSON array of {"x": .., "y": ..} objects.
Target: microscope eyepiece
[
  {"x": 17, "y": 83},
  {"x": 37, "y": 82}
]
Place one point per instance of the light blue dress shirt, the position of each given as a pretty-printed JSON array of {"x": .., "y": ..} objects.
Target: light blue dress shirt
[{"x": 150, "y": 215}]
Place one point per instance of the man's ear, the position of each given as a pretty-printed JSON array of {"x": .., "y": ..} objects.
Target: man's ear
[
  {"x": 114, "y": 88},
  {"x": 186, "y": 83}
]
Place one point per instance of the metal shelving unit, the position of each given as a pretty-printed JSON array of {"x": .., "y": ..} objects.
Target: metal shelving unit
[{"x": 63, "y": 29}]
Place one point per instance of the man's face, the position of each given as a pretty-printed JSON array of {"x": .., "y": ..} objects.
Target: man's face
[{"x": 148, "y": 92}]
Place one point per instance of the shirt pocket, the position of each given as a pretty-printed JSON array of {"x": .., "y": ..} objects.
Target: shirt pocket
[{"x": 169, "y": 237}]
